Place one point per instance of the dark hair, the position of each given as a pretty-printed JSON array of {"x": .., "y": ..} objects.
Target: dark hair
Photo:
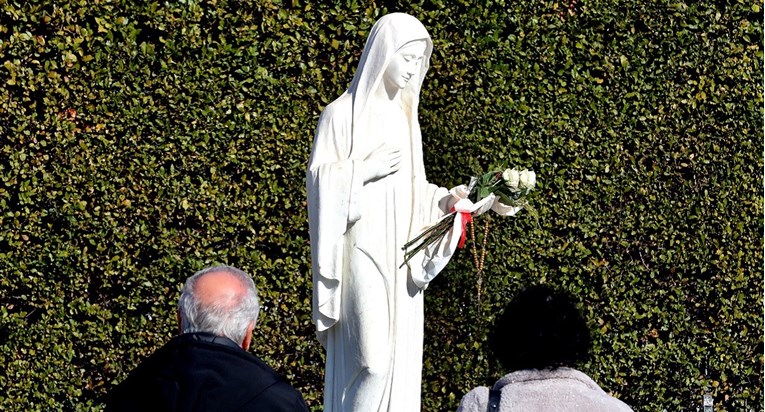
[{"x": 541, "y": 328}]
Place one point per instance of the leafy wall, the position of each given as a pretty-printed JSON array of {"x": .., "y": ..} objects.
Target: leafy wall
[{"x": 141, "y": 141}]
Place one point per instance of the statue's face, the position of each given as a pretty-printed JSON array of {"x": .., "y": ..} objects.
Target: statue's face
[{"x": 405, "y": 64}]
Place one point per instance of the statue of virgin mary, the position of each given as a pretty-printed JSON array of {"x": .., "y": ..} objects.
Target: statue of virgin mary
[{"x": 367, "y": 196}]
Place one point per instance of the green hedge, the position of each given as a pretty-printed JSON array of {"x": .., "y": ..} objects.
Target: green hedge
[{"x": 141, "y": 141}]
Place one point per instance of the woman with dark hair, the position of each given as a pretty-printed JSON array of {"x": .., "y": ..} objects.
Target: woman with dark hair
[{"x": 540, "y": 337}]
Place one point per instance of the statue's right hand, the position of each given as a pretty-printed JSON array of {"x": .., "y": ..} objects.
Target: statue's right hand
[{"x": 382, "y": 162}]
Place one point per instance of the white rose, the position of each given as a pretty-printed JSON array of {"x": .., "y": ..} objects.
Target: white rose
[
  {"x": 527, "y": 179},
  {"x": 511, "y": 178}
]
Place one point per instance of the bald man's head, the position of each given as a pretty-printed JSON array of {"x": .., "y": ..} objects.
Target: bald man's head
[
  {"x": 219, "y": 288},
  {"x": 221, "y": 300}
]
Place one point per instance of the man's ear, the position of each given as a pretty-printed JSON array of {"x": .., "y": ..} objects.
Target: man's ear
[
  {"x": 248, "y": 336},
  {"x": 180, "y": 324}
]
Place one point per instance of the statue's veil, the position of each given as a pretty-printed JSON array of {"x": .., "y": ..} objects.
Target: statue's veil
[{"x": 390, "y": 33}]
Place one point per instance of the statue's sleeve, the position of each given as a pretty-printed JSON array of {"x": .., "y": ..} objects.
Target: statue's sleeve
[
  {"x": 431, "y": 204},
  {"x": 434, "y": 258},
  {"x": 334, "y": 183}
]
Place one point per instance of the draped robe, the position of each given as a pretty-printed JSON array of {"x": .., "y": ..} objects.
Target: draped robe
[{"x": 367, "y": 307}]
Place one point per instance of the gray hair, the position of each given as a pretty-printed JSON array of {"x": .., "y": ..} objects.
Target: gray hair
[{"x": 219, "y": 318}]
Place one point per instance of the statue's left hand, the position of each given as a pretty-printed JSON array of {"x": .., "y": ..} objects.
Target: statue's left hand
[{"x": 461, "y": 203}]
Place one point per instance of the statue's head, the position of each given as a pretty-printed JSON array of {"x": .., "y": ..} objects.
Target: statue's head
[
  {"x": 397, "y": 54},
  {"x": 405, "y": 64}
]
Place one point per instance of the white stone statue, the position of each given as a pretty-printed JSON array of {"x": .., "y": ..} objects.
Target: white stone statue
[{"x": 367, "y": 196}]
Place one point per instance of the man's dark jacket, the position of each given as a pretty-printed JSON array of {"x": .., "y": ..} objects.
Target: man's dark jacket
[{"x": 203, "y": 372}]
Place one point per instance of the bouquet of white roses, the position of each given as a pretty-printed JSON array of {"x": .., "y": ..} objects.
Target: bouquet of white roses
[{"x": 504, "y": 192}]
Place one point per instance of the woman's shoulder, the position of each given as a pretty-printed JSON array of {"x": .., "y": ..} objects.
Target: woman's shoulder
[
  {"x": 537, "y": 387},
  {"x": 475, "y": 400}
]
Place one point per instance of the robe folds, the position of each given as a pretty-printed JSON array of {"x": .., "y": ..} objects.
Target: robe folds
[{"x": 367, "y": 307}]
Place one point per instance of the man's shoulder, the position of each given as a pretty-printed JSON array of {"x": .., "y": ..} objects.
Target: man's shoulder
[
  {"x": 268, "y": 389},
  {"x": 280, "y": 396},
  {"x": 230, "y": 377},
  {"x": 208, "y": 354},
  {"x": 274, "y": 393}
]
